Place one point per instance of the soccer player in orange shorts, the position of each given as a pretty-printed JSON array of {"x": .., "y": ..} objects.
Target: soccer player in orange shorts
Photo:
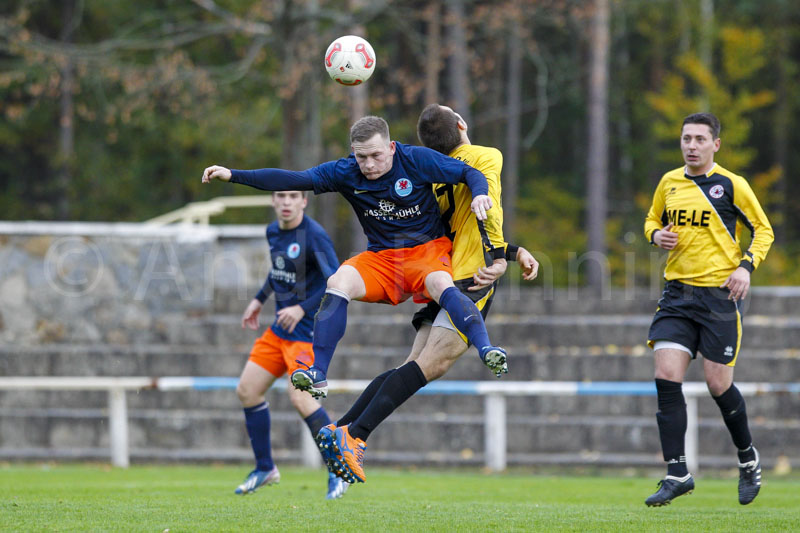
[
  {"x": 389, "y": 186},
  {"x": 302, "y": 259}
]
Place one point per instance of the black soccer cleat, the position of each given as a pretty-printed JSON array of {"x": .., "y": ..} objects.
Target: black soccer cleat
[
  {"x": 749, "y": 479},
  {"x": 670, "y": 488}
]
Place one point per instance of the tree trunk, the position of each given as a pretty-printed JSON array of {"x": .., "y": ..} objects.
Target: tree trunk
[
  {"x": 433, "y": 47},
  {"x": 781, "y": 134},
  {"x": 597, "y": 160},
  {"x": 66, "y": 117},
  {"x": 458, "y": 71},
  {"x": 513, "y": 112}
]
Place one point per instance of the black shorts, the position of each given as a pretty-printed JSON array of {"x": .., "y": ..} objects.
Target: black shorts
[
  {"x": 701, "y": 319},
  {"x": 482, "y": 299}
]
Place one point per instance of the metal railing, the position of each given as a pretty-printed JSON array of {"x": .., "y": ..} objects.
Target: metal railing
[
  {"x": 494, "y": 393},
  {"x": 201, "y": 212}
]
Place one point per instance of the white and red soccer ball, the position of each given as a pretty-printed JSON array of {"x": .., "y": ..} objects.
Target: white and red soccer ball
[{"x": 350, "y": 60}]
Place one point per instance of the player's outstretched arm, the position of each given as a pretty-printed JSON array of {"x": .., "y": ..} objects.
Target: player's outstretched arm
[{"x": 216, "y": 172}]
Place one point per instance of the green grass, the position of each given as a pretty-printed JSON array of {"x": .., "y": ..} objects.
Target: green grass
[{"x": 181, "y": 498}]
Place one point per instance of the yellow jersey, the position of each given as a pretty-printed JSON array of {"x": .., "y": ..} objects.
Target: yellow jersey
[
  {"x": 473, "y": 240},
  {"x": 708, "y": 213}
]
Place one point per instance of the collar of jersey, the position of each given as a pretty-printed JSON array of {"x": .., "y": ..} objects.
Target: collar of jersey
[{"x": 701, "y": 176}]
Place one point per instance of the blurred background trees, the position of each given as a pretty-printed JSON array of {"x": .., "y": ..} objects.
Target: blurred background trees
[{"x": 110, "y": 110}]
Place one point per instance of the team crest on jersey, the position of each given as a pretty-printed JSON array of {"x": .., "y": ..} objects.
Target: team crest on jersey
[
  {"x": 293, "y": 251},
  {"x": 716, "y": 191},
  {"x": 279, "y": 263},
  {"x": 403, "y": 187}
]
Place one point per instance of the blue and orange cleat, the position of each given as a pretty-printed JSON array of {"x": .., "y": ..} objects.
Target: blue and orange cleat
[
  {"x": 312, "y": 380},
  {"x": 327, "y": 447},
  {"x": 349, "y": 455},
  {"x": 495, "y": 358},
  {"x": 258, "y": 478}
]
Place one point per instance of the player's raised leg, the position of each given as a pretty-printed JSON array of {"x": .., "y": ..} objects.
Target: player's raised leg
[
  {"x": 467, "y": 318},
  {"x": 253, "y": 384},
  {"x": 329, "y": 327}
]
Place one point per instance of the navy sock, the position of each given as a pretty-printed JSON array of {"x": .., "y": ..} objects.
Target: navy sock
[
  {"x": 256, "y": 419},
  {"x": 731, "y": 405},
  {"x": 363, "y": 401},
  {"x": 316, "y": 420},
  {"x": 398, "y": 387},
  {"x": 329, "y": 326},
  {"x": 465, "y": 316},
  {"x": 671, "y": 418}
]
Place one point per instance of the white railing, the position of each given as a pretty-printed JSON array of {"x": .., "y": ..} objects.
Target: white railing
[
  {"x": 494, "y": 393},
  {"x": 201, "y": 212}
]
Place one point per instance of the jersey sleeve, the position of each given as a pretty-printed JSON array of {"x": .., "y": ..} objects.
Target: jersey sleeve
[
  {"x": 274, "y": 179},
  {"x": 491, "y": 229},
  {"x": 657, "y": 216},
  {"x": 754, "y": 218},
  {"x": 433, "y": 167},
  {"x": 324, "y": 177}
]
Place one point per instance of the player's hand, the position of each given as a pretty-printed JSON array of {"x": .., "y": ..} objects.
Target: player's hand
[
  {"x": 665, "y": 238},
  {"x": 529, "y": 264},
  {"x": 289, "y": 317},
  {"x": 738, "y": 283},
  {"x": 485, "y": 276},
  {"x": 480, "y": 204},
  {"x": 250, "y": 315},
  {"x": 216, "y": 172}
]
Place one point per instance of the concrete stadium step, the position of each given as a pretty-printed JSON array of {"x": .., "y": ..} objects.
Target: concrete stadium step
[
  {"x": 561, "y": 363},
  {"x": 771, "y": 301},
  {"x": 760, "y": 331}
]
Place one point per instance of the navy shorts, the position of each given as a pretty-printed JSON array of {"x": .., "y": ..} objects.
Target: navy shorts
[{"x": 701, "y": 319}]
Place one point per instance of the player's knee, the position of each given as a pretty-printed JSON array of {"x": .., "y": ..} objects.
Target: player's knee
[
  {"x": 717, "y": 387},
  {"x": 247, "y": 393}
]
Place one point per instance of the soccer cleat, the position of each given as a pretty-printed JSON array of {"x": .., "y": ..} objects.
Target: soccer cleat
[
  {"x": 312, "y": 380},
  {"x": 494, "y": 358},
  {"x": 749, "y": 479},
  {"x": 258, "y": 478},
  {"x": 670, "y": 488},
  {"x": 336, "y": 487},
  {"x": 327, "y": 447},
  {"x": 350, "y": 455}
]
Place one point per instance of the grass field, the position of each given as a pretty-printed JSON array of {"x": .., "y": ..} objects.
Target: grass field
[{"x": 181, "y": 498}]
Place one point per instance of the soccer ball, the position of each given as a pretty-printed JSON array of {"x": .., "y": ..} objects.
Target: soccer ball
[{"x": 350, "y": 60}]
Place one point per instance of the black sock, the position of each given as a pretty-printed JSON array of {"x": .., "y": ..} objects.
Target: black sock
[
  {"x": 671, "y": 418},
  {"x": 731, "y": 405},
  {"x": 363, "y": 401},
  {"x": 399, "y": 386}
]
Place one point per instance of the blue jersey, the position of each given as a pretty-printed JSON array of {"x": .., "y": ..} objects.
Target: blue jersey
[
  {"x": 397, "y": 210},
  {"x": 302, "y": 260}
]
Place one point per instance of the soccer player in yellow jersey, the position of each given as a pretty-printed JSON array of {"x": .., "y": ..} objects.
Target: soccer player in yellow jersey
[
  {"x": 479, "y": 259},
  {"x": 697, "y": 214}
]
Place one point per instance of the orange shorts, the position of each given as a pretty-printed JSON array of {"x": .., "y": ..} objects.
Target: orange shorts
[
  {"x": 391, "y": 276},
  {"x": 277, "y": 355}
]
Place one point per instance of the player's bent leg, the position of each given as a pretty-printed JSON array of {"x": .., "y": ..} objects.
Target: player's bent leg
[
  {"x": 443, "y": 348},
  {"x": 420, "y": 339},
  {"x": 467, "y": 318},
  {"x": 253, "y": 384},
  {"x": 330, "y": 323}
]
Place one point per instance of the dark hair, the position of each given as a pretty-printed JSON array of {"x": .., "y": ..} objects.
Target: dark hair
[
  {"x": 704, "y": 118},
  {"x": 437, "y": 128},
  {"x": 365, "y": 129}
]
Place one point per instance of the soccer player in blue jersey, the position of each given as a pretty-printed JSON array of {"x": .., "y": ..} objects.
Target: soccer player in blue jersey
[
  {"x": 302, "y": 260},
  {"x": 697, "y": 214},
  {"x": 389, "y": 186}
]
